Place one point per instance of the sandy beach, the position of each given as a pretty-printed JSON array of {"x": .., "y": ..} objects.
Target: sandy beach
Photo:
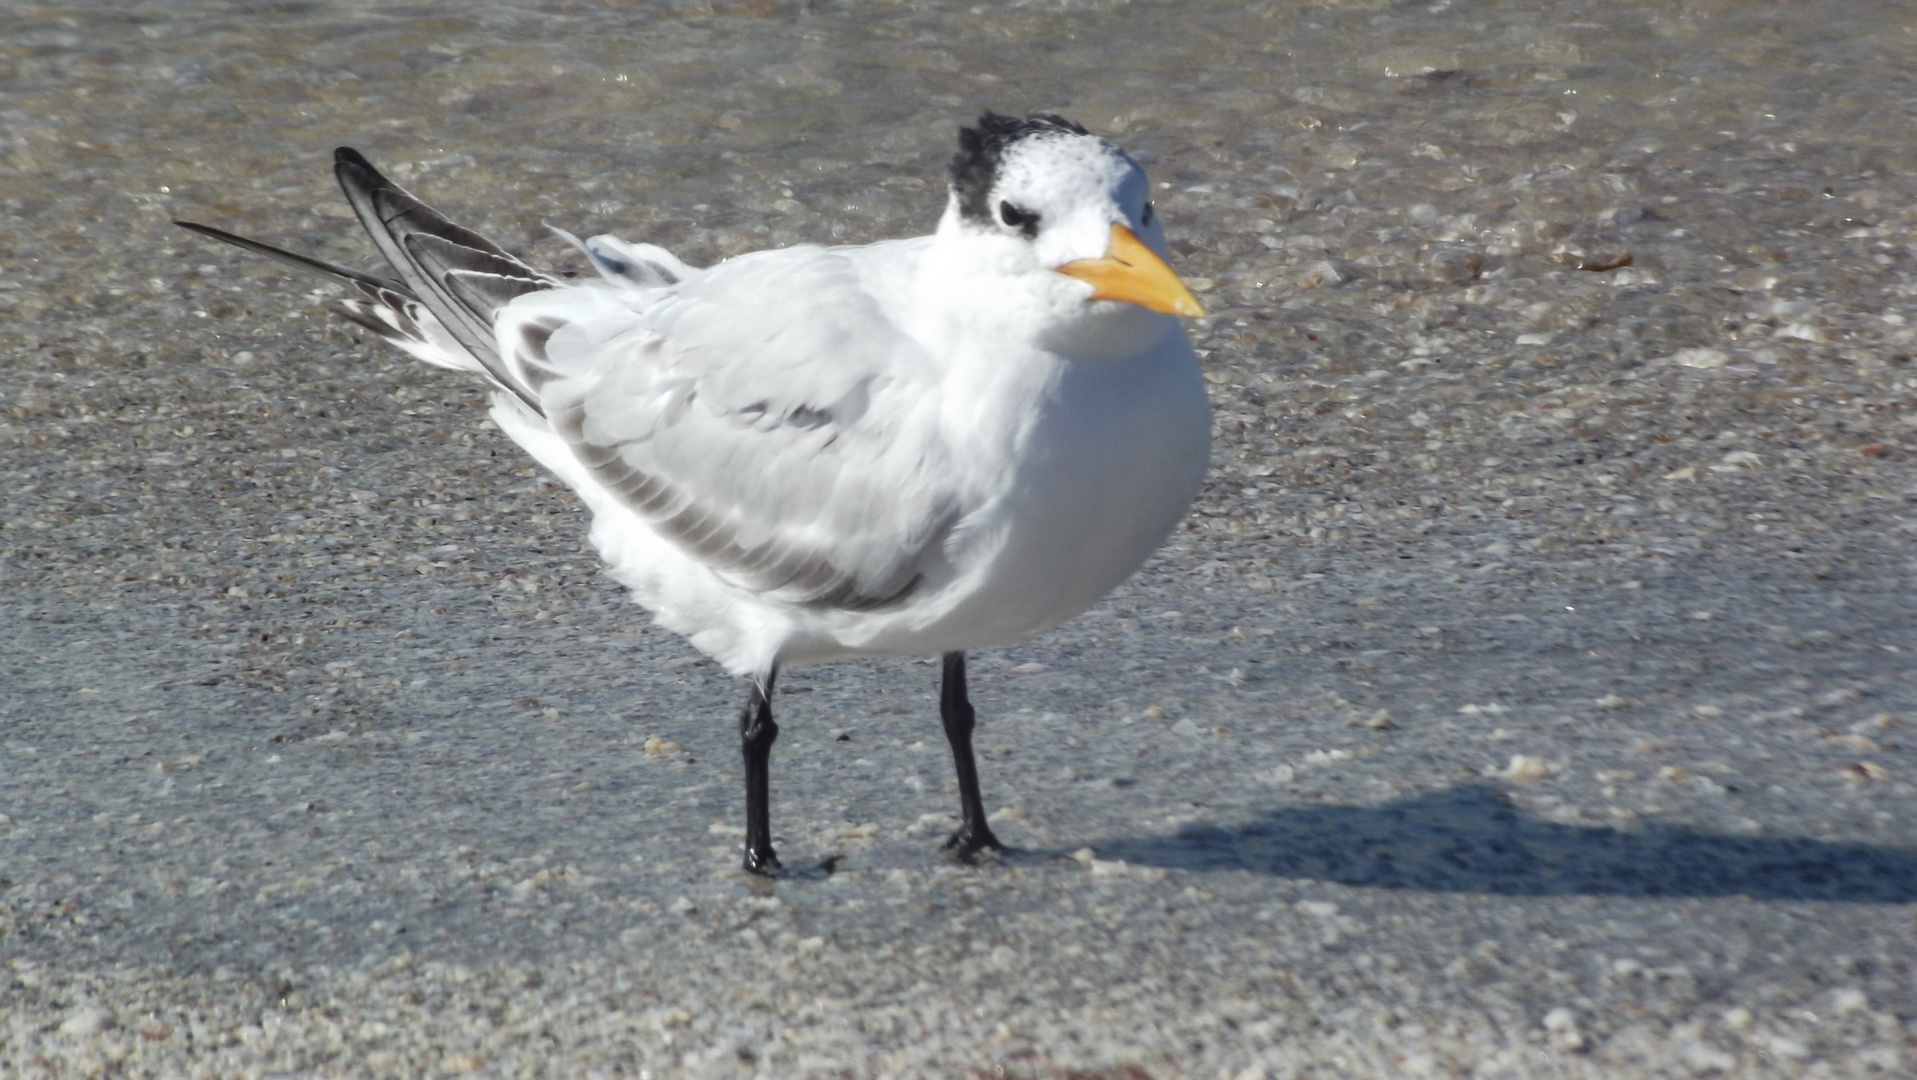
[{"x": 1530, "y": 693}]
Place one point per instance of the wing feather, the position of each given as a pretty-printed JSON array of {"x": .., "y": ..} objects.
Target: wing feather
[
  {"x": 429, "y": 251},
  {"x": 766, "y": 415}
]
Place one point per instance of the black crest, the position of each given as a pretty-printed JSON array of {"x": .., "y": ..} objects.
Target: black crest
[{"x": 982, "y": 149}]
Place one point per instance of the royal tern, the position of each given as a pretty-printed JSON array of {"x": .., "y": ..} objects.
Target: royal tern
[{"x": 915, "y": 446}]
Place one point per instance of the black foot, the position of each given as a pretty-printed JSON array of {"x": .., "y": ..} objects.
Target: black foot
[
  {"x": 756, "y": 735},
  {"x": 967, "y": 842},
  {"x": 764, "y": 863},
  {"x": 955, "y": 709}
]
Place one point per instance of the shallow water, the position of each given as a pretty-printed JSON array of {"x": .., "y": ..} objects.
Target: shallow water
[
  {"x": 1417, "y": 184},
  {"x": 1561, "y": 359},
  {"x": 1515, "y": 128}
]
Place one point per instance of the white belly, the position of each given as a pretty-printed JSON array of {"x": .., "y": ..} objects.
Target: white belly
[{"x": 1105, "y": 470}]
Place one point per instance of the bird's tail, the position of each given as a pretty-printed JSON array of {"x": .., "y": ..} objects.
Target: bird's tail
[{"x": 452, "y": 281}]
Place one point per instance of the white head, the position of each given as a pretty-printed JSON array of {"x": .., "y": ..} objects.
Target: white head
[{"x": 1050, "y": 196}]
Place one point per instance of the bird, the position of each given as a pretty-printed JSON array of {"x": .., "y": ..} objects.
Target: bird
[{"x": 919, "y": 446}]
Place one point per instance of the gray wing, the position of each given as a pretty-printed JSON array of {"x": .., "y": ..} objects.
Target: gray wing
[{"x": 768, "y": 415}]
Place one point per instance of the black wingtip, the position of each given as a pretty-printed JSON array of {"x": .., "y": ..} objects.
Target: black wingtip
[
  {"x": 350, "y": 162},
  {"x": 320, "y": 267},
  {"x": 210, "y": 231}
]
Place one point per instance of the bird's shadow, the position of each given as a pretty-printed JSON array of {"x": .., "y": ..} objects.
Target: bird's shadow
[{"x": 1472, "y": 839}]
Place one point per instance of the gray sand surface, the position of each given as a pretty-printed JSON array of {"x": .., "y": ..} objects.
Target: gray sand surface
[{"x": 1530, "y": 694}]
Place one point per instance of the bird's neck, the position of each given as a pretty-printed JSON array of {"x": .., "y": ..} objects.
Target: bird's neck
[{"x": 973, "y": 287}]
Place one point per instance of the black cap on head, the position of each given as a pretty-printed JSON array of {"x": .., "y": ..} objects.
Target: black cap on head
[{"x": 982, "y": 150}]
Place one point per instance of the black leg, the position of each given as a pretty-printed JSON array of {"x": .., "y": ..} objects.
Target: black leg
[
  {"x": 955, "y": 708},
  {"x": 756, "y": 735}
]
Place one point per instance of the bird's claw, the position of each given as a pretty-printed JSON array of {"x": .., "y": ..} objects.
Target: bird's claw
[
  {"x": 763, "y": 863},
  {"x": 969, "y": 840}
]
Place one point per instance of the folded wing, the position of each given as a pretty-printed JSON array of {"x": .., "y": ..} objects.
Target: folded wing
[{"x": 766, "y": 415}]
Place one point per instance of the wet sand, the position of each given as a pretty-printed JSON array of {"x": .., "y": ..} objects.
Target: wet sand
[{"x": 1530, "y": 693}]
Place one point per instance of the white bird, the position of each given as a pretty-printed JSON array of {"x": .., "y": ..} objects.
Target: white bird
[{"x": 915, "y": 446}]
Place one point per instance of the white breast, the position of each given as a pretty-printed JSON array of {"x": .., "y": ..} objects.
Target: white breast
[{"x": 1113, "y": 455}]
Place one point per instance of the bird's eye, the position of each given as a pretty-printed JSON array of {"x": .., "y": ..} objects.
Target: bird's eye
[
  {"x": 1026, "y": 221},
  {"x": 1146, "y": 217}
]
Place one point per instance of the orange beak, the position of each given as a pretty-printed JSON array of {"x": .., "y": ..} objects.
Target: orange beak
[{"x": 1132, "y": 272}]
